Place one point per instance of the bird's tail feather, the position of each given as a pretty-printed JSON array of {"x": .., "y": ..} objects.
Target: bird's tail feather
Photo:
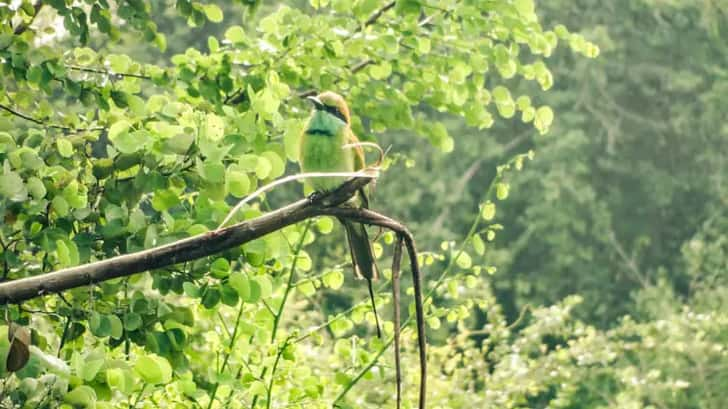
[{"x": 362, "y": 258}]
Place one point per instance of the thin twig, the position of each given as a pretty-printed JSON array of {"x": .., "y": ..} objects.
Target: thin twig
[
  {"x": 227, "y": 353},
  {"x": 396, "y": 262},
  {"x": 107, "y": 73},
  {"x": 289, "y": 286},
  {"x": 273, "y": 371},
  {"x": 44, "y": 125},
  {"x": 23, "y": 27}
]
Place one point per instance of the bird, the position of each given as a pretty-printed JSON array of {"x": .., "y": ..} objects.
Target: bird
[{"x": 322, "y": 150}]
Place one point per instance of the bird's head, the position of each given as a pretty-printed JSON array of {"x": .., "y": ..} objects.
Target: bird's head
[{"x": 333, "y": 104}]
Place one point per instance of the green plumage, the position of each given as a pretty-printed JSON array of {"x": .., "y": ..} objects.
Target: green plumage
[
  {"x": 321, "y": 149},
  {"x": 326, "y": 132}
]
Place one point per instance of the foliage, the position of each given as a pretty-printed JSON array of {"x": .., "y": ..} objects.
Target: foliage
[
  {"x": 133, "y": 124},
  {"x": 106, "y": 152}
]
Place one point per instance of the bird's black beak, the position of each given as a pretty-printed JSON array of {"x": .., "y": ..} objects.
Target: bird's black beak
[{"x": 317, "y": 104}]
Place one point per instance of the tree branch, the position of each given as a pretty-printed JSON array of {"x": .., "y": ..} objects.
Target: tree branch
[
  {"x": 44, "y": 125},
  {"x": 24, "y": 26},
  {"x": 213, "y": 242},
  {"x": 191, "y": 248},
  {"x": 108, "y": 73}
]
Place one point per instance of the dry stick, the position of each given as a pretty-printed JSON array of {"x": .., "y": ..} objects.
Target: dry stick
[{"x": 396, "y": 262}]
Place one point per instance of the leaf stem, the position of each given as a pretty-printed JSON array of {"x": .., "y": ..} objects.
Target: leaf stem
[{"x": 227, "y": 353}]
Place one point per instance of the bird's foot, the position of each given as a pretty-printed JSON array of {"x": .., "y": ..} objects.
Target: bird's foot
[{"x": 315, "y": 196}]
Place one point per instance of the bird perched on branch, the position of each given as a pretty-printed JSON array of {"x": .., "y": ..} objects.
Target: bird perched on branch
[{"x": 323, "y": 150}]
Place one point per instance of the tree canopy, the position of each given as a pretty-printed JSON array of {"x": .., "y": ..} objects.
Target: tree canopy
[{"x": 561, "y": 168}]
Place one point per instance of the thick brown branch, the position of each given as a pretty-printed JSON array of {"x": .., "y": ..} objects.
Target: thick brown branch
[{"x": 180, "y": 251}]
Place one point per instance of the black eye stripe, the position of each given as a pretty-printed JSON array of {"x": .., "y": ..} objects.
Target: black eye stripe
[{"x": 333, "y": 110}]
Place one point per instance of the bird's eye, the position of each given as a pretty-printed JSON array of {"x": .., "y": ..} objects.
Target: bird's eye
[{"x": 335, "y": 111}]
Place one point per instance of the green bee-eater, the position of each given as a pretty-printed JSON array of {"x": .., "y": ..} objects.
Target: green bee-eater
[{"x": 327, "y": 131}]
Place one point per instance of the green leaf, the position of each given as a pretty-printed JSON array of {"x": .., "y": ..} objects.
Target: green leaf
[
  {"x": 433, "y": 322},
  {"x": 75, "y": 194},
  {"x": 214, "y": 127},
  {"x": 488, "y": 210},
  {"x": 118, "y": 62},
  {"x": 58, "y": 204},
  {"x": 262, "y": 167},
  {"x": 177, "y": 338},
  {"x": 12, "y": 187},
  {"x": 211, "y": 298},
  {"x": 325, "y": 224},
  {"x": 132, "y": 321},
  {"x": 65, "y": 147},
  {"x": 130, "y": 142},
  {"x": 526, "y": 8},
  {"x": 543, "y": 119},
  {"x": 220, "y": 268},
  {"x": 478, "y": 245},
  {"x": 464, "y": 261},
  {"x": 153, "y": 370},
  {"x": 306, "y": 288},
  {"x": 118, "y": 128},
  {"x": 213, "y": 172},
  {"x": 240, "y": 283},
  {"x": 67, "y": 253},
  {"x": 99, "y": 324},
  {"x": 254, "y": 295},
  {"x": 116, "y": 326},
  {"x": 164, "y": 200},
  {"x": 92, "y": 364},
  {"x": 82, "y": 396},
  {"x": 120, "y": 379},
  {"x": 237, "y": 183},
  {"x": 277, "y": 166},
  {"x": 266, "y": 287},
  {"x": 501, "y": 191},
  {"x": 333, "y": 279},
  {"x": 84, "y": 56},
  {"x": 235, "y": 34},
  {"x": 229, "y": 295},
  {"x": 213, "y": 12},
  {"x": 36, "y": 188},
  {"x": 380, "y": 71}
]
